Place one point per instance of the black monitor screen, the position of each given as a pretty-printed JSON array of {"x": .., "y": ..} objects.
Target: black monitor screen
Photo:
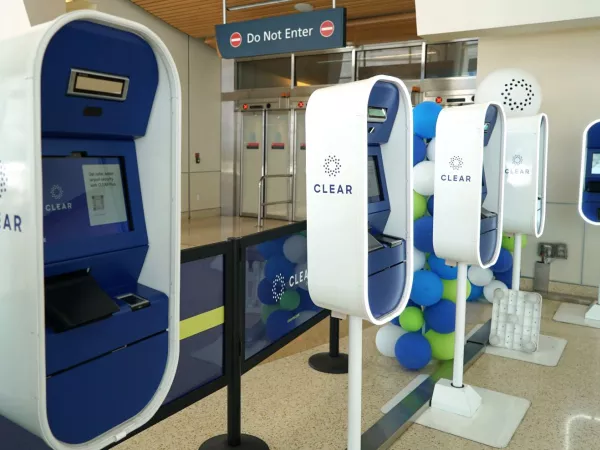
[
  {"x": 373, "y": 181},
  {"x": 84, "y": 197}
]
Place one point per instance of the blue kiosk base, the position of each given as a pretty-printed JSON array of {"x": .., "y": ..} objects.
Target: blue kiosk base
[
  {"x": 333, "y": 361},
  {"x": 246, "y": 442}
]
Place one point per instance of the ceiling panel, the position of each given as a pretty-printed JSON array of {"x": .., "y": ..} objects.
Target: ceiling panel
[{"x": 369, "y": 21}]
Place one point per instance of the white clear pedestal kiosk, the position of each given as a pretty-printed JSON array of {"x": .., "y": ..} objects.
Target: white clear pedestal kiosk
[
  {"x": 360, "y": 211},
  {"x": 90, "y": 126},
  {"x": 467, "y": 229},
  {"x": 516, "y": 318},
  {"x": 589, "y": 210}
]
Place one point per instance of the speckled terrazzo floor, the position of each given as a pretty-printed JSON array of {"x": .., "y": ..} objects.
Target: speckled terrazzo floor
[{"x": 292, "y": 407}]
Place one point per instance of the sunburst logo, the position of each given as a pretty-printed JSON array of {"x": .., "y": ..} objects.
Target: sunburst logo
[
  {"x": 3, "y": 179},
  {"x": 56, "y": 192},
  {"x": 278, "y": 287},
  {"x": 332, "y": 166},
  {"x": 456, "y": 163},
  {"x": 517, "y": 160}
]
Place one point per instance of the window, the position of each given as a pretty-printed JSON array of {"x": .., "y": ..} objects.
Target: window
[
  {"x": 403, "y": 63},
  {"x": 264, "y": 73},
  {"x": 452, "y": 59},
  {"x": 331, "y": 68}
]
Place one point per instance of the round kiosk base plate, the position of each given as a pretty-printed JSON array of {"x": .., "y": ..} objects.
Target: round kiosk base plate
[
  {"x": 324, "y": 362},
  {"x": 247, "y": 442}
]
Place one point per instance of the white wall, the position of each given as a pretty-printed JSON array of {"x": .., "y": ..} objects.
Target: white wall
[
  {"x": 566, "y": 65},
  {"x": 472, "y": 18},
  {"x": 199, "y": 70},
  {"x": 41, "y": 11}
]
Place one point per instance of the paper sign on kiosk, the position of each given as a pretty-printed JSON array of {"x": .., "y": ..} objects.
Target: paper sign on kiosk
[{"x": 104, "y": 193}]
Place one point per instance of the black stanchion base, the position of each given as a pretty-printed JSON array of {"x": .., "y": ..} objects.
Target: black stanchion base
[
  {"x": 324, "y": 362},
  {"x": 246, "y": 443}
]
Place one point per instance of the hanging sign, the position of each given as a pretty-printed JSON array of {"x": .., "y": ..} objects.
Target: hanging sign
[{"x": 317, "y": 30}]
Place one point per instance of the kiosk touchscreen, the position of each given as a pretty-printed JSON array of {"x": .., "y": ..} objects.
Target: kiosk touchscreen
[
  {"x": 589, "y": 192},
  {"x": 90, "y": 177},
  {"x": 359, "y": 210}
]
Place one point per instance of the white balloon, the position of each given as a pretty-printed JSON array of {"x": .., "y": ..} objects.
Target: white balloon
[
  {"x": 294, "y": 248},
  {"x": 516, "y": 90},
  {"x": 431, "y": 150},
  {"x": 489, "y": 291},
  {"x": 419, "y": 259},
  {"x": 423, "y": 177},
  {"x": 386, "y": 339},
  {"x": 479, "y": 276}
]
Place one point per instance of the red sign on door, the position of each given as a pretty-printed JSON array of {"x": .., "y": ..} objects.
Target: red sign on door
[
  {"x": 327, "y": 28},
  {"x": 235, "y": 40}
]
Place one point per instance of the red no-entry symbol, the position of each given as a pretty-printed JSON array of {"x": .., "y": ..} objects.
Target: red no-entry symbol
[
  {"x": 327, "y": 28},
  {"x": 235, "y": 40}
]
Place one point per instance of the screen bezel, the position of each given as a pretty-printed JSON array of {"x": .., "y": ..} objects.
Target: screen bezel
[
  {"x": 85, "y": 247},
  {"x": 381, "y": 204},
  {"x": 380, "y": 197}
]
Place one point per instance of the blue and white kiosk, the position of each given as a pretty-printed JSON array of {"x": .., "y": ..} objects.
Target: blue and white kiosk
[
  {"x": 89, "y": 167},
  {"x": 589, "y": 210},
  {"x": 359, "y": 210},
  {"x": 467, "y": 230}
]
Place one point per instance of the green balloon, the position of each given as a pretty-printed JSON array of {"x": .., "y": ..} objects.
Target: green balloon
[
  {"x": 450, "y": 286},
  {"x": 419, "y": 205},
  {"x": 508, "y": 242},
  {"x": 442, "y": 345},
  {"x": 290, "y": 300},
  {"x": 412, "y": 319},
  {"x": 266, "y": 312},
  {"x": 302, "y": 233}
]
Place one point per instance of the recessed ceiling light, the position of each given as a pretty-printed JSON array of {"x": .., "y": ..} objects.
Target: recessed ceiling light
[{"x": 304, "y": 7}]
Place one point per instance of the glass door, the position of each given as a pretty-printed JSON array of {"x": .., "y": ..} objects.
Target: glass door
[
  {"x": 278, "y": 158},
  {"x": 252, "y": 151},
  {"x": 300, "y": 166}
]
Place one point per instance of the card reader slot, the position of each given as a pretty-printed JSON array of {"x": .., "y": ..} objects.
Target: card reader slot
[
  {"x": 76, "y": 299},
  {"x": 374, "y": 244},
  {"x": 592, "y": 186},
  {"x": 390, "y": 241}
]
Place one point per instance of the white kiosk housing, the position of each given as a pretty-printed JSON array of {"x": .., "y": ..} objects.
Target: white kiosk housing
[
  {"x": 90, "y": 121},
  {"x": 467, "y": 229},
  {"x": 360, "y": 212},
  {"x": 589, "y": 210},
  {"x": 516, "y": 318}
]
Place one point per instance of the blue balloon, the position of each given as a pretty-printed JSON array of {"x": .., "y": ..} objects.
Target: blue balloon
[
  {"x": 430, "y": 205},
  {"x": 438, "y": 266},
  {"x": 395, "y": 321},
  {"x": 423, "y": 230},
  {"x": 272, "y": 248},
  {"x": 279, "y": 323},
  {"x": 413, "y": 351},
  {"x": 505, "y": 277},
  {"x": 279, "y": 266},
  {"x": 306, "y": 303},
  {"x": 476, "y": 293},
  {"x": 411, "y": 303},
  {"x": 441, "y": 316},
  {"x": 504, "y": 263},
  {"x": 425, "y": 117},
  {"x": 419, "y": 150},
  {"x": 427, "y": 288}
]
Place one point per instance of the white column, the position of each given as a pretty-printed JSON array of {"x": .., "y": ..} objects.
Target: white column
[
  {"x": 459, "y": 329},
  {"x": 516, "y": 272},
  {"x": 354, "y": 383}
]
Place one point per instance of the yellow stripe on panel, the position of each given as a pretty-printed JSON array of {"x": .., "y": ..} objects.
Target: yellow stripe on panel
[{"x": 202, "y": 322}]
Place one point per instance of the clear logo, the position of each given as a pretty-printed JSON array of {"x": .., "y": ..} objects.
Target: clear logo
[
  {"x": 456, "y": 163},
  {"x": 56, "y": 192},
  {"x": 332, "y": 166},
  {"x": 278, "y": 287},
  {"x": 517, "y": 160},
  {"x": 3, "y": 179}
]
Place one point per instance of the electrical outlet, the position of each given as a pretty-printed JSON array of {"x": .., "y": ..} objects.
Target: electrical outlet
[{"x": 553, "y": 250}]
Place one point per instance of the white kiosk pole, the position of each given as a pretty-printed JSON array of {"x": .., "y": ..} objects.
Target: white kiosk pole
[
  {"x": 467, "y": 229},
  {"x": 589, "y": 210},
  {"x": 359, "y": 211},
  {"x": 516, "y": 270}
]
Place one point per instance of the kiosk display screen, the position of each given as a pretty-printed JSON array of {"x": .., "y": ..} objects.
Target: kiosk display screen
[
  {"x": 83, "y": 197},
  {"x": 595, "y": 164},
  {"x": 373, "y": 181}
]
